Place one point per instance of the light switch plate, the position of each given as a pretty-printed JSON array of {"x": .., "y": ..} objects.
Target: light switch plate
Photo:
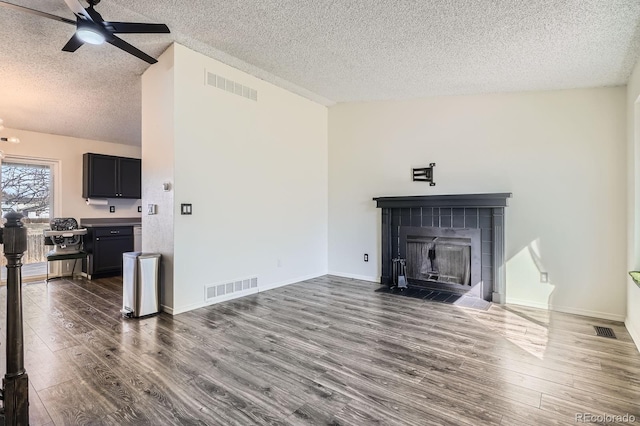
[{"x": 185, "y": 208}]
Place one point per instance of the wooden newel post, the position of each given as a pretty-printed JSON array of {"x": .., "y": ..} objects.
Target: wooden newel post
[{"x": 15, "y": 392}]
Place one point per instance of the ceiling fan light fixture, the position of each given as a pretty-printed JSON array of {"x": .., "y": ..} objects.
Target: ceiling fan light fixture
[
  {"x": 91, "y": 36},
  {"x": 91, "y": 28}
]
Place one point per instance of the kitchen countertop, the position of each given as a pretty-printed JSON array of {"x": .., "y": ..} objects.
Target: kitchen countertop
[{"x": 106, "y": 222}]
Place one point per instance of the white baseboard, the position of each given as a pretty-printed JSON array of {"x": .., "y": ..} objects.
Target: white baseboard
[
  {"x": 633, "y": 331},
  {"x": 355, "y": 276},
  {"x": 167, "y": 309},
  {"x": 291, "y": 281},
  {"x": 191, "y": 307},
  {"x": 236, "y": 295},
  {"x": 566, "y": 309}
]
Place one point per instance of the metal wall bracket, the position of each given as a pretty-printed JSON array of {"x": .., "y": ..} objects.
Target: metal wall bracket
[{"x": 424, "y": 174}]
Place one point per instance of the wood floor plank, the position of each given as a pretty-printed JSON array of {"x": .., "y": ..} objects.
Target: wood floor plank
[
  {"x": 623, "y": 390},
  {"x": 75, "y": 403},
  {"x": 359, "y": 413},
  {"x": 328, "y": 350},
  {"x": 173, "y": 402},
  {"x": 310, "y": 415},
  {"x": 569, "y": 409},
  {"x": 134, "y": 414},
  {"x": 234, "y": 405},
  {"x": 50, "y": 370},
  {"x": 367, "y": 393},
  {"x": 286, "y": 376},
  {"x": 38, "y": 415}
]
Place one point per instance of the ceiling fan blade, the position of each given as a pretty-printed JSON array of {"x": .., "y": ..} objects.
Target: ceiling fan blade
[
  {"x": 77, "y": 8},
  {"x": 118, "y": 42},
  {"x": 37, "y": 12},
  {"x": 73, "y": 44},
  {"x": 137, "y": 28},
  {"x": 95, "y": 16}
]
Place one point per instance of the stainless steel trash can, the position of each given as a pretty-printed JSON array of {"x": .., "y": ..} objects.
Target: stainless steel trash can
[{"x": 140, "y": 284}]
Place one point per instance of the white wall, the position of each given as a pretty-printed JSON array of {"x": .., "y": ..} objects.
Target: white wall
[
  {"x": 561, "y": 154},
  {"x": 157, "y": 166},
  {"x": 68, "y": 152},
  {"x": 633, "y": 218},
  {"x": 256, "y": 175}
]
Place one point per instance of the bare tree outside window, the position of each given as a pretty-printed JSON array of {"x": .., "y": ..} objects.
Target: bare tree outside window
[{"x": 26, "y": 188}]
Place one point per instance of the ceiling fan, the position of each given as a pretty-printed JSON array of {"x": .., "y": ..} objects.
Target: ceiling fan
[{"x": 92, "y": 29}]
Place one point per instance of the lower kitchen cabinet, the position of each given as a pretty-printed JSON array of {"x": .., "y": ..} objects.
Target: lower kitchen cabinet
[{"x": 105, "y": 246}]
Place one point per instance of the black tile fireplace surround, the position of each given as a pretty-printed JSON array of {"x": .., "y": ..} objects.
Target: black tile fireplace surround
[{"x": 430, "y": 216}]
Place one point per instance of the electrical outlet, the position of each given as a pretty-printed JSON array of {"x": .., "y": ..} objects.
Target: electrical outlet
[
  {"x": 366, "y": 257},
  {"x": 185, "y": 209},
  {"x": 139, "y": 209},
  {"x": 544, "y": 277},
  {"x": 112, "y": 209},
  {"x": 151, "y": 209}
]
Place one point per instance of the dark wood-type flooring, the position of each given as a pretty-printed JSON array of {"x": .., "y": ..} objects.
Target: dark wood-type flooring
[{"x": 323, "y": 351}]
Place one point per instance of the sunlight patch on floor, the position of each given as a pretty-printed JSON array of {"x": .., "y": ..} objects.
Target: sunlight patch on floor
[{"x": 529, "y": 334}]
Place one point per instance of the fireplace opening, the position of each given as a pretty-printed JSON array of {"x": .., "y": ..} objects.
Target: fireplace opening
[
  {"x": 439, "y": 259},
  {"x": 446, "y": 259}
]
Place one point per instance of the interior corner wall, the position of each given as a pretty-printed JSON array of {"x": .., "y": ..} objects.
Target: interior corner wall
[
  {"x": 632, "y": 320},
  {"x": 255, "y": 173},
  {"x": 562, "y": 154},
  {"x": 158, "y": 168}
]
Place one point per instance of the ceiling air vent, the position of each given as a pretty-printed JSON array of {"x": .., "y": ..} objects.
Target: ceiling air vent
[{"x": 231, "y": 86}]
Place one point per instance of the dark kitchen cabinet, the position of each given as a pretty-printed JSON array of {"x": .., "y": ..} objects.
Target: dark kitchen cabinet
[
  {"x": 105, "y": 246},
  {"x": 107, "y": 176},
  {"x": 130, "y": 177}
]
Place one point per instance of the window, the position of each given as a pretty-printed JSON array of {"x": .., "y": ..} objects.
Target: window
[{"x": 27, "y": 186}]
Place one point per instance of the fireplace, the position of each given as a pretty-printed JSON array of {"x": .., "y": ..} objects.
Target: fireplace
[
  {"x": 442, "y": 258},
  {"x": 451, "y": 243}
]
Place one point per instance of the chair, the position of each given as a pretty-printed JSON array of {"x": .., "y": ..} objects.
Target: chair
[{"x": 66, "y": 238}]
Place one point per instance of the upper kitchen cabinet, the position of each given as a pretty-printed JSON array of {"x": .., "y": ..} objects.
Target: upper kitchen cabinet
[
  {"x": 107, "y": 176},
  {"x": 129, "y": 172}
]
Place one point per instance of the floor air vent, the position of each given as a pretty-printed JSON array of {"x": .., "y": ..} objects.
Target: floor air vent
[
  {"x": 230, "y": 86},
  {"x": 605, "y": 332},
  {"x": 214, "y": 291}
]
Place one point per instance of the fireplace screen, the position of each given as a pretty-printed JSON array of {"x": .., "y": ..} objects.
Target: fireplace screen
[{"x": 440, "y": 259}]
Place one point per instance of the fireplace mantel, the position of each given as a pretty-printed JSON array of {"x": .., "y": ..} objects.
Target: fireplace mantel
[
  {"x": 484, "y": 212},
  {"x": 453, "y": 200}
]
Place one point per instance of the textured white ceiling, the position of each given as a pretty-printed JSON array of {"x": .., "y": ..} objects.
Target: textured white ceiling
[{"x": 329, "y": 51}]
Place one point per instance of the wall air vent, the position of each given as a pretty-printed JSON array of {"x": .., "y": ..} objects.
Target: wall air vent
[
  {"x": 215, "y": 291},
  {"x": 230, "y": 86}
]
